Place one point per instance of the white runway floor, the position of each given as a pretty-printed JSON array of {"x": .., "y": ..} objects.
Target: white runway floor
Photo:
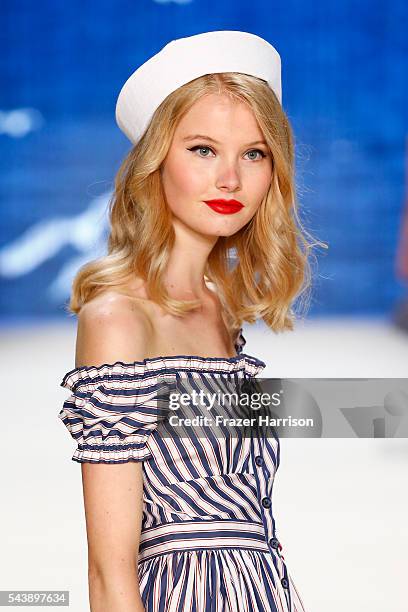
[{"x": 341, "y": 505}]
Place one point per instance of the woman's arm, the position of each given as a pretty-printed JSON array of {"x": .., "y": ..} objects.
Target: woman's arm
[
  {"x": 113, "y": 493},
  {"x": 113, "y": 507}
]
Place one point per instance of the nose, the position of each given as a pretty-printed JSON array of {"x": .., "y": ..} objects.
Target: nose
[{"x": 228, "y": 177}]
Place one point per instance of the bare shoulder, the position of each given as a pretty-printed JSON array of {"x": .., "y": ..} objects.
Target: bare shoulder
[{"x": 112, "y": 327}]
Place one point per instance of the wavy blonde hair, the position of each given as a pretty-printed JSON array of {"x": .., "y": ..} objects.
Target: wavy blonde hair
[{"x": 271, "y": 265}]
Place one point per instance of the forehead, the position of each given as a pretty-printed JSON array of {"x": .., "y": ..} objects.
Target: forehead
[{"x": 217, "y": 114}]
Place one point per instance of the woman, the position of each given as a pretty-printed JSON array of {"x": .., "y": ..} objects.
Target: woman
[{"x": 175, "y": 526}]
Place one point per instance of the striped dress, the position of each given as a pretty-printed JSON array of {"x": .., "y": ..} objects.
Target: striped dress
[{"x": 208, "y": 538}]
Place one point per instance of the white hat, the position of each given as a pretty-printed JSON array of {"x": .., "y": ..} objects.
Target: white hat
[{"x": 185, "y": 59}]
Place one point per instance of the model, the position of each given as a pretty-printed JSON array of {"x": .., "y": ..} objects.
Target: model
[{"x": 204, "y": 236}]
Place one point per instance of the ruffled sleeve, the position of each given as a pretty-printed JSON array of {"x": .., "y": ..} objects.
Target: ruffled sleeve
[{"x": 111, "y": 412}]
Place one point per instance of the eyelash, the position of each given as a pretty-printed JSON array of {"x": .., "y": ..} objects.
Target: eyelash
[{"x": 207, "y": 147}]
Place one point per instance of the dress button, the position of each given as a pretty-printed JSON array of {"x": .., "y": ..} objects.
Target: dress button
[
  {"x": 266, "y": 502},
  {"x": 259, "y": 460},
  {"x": 274, "y": 543},
  {"x": 284, "y": 583}
]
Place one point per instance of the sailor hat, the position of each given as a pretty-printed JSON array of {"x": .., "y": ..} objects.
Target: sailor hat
[{"x": 185, "y": 59}]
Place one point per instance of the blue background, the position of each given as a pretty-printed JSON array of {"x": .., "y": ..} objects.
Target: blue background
[{"x": 344, "y": 80}]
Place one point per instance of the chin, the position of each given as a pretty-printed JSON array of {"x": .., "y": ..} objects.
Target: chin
[
  {"x": 217, "y": 232},
  {"x": 215, "y": 227}
]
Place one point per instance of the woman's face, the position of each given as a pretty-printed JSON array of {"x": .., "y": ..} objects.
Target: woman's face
[{"x": 228, "y": 160}]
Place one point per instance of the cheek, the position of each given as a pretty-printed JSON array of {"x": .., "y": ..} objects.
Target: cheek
[
  {"x": 184, "y": 181},
  {"x": 184, "y": 191},
  {"x": 263, "y": 185}
]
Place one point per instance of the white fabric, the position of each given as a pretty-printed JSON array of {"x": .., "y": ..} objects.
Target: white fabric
[{"x": 185, "y": 59}]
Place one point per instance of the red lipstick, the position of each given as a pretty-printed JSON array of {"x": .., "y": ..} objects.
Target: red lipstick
[{"x": 224, "y": 207}]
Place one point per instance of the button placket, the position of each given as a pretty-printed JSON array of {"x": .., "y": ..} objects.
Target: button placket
[
  {"x": 262, "y": 477},
  {"x": 264, "y": 481},
  {"x": 285, "y": 577},
  {"x": 285, "y": 585}
]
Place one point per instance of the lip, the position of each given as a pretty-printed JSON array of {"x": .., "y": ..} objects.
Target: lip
[{"x": 224, "y": 207}]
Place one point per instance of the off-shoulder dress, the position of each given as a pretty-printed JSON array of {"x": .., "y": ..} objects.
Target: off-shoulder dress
[{"x": 208, "y": 536}]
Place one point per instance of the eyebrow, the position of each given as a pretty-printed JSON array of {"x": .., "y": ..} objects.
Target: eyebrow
[{"x": 203, "y": 137}]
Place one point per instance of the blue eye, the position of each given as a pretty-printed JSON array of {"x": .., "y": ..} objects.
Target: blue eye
[
  {"x": 200, "y": 147},
  {"x": 205, "y": 147},
  {"x": 258, "y": 151}
]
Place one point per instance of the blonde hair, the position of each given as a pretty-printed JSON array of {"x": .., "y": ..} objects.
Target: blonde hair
[{"x": 271, "y": 268}]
